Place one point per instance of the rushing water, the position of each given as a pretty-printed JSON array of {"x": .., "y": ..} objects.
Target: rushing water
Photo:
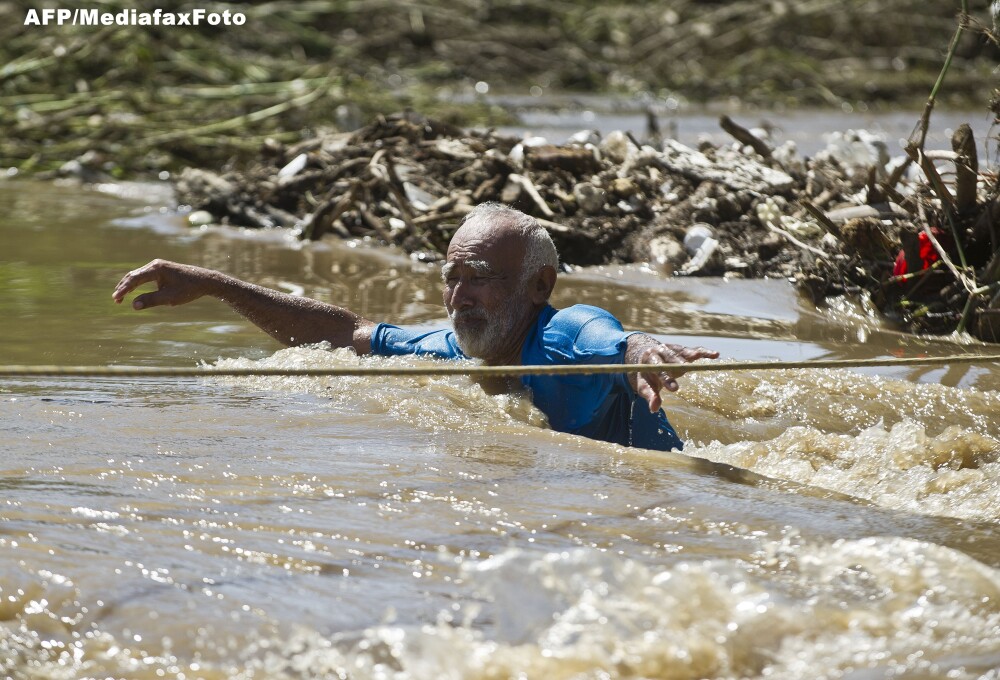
[{"x": 818, "y": 524}]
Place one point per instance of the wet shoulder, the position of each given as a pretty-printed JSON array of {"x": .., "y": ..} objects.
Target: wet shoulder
[{"x": 578, "y": 333}]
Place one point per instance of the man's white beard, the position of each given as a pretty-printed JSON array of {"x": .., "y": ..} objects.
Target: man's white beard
[{"x": 482, "y": 337}]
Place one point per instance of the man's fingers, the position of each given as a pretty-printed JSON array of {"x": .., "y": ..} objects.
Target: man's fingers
[
  {"x": 673, "y": 359},
  {"x": 123, "y": 288},
  {"x": 695, "y": 353},
  {"x": 649, "y": 393},
  {"x": 147, "y": 300},
  {"x": 131, "y": 281},
  {"x": 688, "y": 354},
  {"x": 661, "y": 381},
  {"x": 649, "y": 385}
]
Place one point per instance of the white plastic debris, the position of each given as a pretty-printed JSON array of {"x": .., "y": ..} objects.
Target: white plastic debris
[
  {"x": 200, "y": 218},
  {"x": 517, "y": 153},
  {"x": 396, "y": 225},
  {"x": 771, "y": 211},
  {"x": 585, "y": 137},
  {"x": 418, "y": 198},
  {"x": 856, "y": 150},
  {"x": 618, "y": 147},
  {"x": 696, "y": 236},
  {"x": 294, "y": 166},
  {"x": 700, "y": 242},
  {"x": 589, "y": 198}
]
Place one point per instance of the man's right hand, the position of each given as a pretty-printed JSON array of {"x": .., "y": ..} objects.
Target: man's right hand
[{"x": 176, "y": 284}]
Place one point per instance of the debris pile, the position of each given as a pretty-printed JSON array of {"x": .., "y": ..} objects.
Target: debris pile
[{"x": 848, "y": 221}]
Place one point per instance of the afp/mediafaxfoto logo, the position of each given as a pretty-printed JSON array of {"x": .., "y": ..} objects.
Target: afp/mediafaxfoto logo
[{"x": 131, "y": 17}]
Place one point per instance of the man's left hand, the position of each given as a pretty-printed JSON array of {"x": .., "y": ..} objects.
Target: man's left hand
[{"x": 643, "y": 349}]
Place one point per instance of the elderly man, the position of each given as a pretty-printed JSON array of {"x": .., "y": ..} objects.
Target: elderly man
[{"x": 499, "y": 274}]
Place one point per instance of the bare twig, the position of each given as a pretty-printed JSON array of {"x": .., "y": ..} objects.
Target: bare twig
[
  {"x": 920, "y": 132},
  {"x": 821, "y": 217},
  {"x": 911, "y": 276},
  {"x": 937, "y": 184},
  {"x": 898, "y": 172},
  {"x": 973, "y": 296},
  {"x": 800, "y": 244},
  {"x": 529, "y": 188},
  {"x": 969, "y": 285},
  {"x": 329, "y": 210},
  {"x": 374, "y": 223},
  {"x": 966, "y": 169},
  {"x": 744, "y": 136}
]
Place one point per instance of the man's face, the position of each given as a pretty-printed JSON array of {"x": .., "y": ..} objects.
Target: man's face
[{"x": 483, "y": 292}]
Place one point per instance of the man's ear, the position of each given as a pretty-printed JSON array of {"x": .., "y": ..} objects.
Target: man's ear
[{"x": 541, "y": 288}]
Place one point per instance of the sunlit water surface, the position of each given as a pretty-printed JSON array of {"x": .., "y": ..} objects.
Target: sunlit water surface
[{"x": 818, "y": 524}]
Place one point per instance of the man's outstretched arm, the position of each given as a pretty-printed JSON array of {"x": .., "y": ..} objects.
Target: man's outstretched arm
[
  {"x": 644, "y": 349},
  {"x": 289, "y": 319}
]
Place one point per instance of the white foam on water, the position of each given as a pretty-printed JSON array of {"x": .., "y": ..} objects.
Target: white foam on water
[
  {"x": 875, "y": 607},
  {"x": 955, "y": 473},
  {"x": 840, "y": 400},
  {"x": 430, "y": 402},
  {"x": 90, "y": 513},
  {"x": 919, "y": 447},
  {"x": 868, "y": 608}
]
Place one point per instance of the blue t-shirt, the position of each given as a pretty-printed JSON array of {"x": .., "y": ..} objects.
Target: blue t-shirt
[{"x": 597, "y": 406}]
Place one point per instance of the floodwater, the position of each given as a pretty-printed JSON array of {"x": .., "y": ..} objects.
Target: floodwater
[
  {"x": 556, "y": 117},
  {"x": 819, "y": 524}
]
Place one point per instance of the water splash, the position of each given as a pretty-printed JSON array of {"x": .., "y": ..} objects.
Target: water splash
[
  {"x": 872, "y": 607},
  {"x": 429, "y": 402},
  {"x": 953, "y": 474}
]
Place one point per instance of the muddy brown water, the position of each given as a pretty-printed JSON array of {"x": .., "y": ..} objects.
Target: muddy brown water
[{"x": 818, "y": 524}]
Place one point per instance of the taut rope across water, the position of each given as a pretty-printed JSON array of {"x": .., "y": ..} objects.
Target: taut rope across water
[{"x": 453, "y": 368}]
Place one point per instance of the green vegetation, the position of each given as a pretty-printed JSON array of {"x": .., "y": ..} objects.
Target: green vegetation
[{"x": 137, "y": 100}]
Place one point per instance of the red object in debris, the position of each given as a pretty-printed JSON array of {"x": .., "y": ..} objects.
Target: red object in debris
[
  {"x": 928, "y": 253},
  {"x": 928, "y": 256},
  {"x": 899, "y": 268}
]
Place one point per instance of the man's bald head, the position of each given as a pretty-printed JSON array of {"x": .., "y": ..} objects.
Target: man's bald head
[{"x": 497, "y": 222}]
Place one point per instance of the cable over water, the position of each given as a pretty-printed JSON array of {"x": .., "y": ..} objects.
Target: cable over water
[{"x": 470, "y": 369}]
